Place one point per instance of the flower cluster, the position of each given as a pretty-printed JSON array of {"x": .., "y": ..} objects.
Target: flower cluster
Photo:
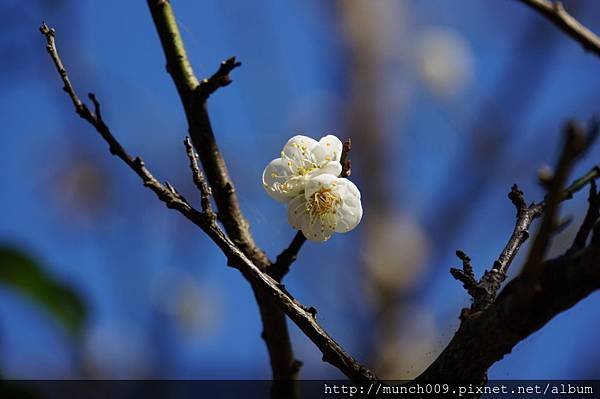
[{"x": 305, "y": 178}]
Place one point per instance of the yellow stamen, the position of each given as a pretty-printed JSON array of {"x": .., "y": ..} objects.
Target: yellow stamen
[{"x": 321, "y": 203}]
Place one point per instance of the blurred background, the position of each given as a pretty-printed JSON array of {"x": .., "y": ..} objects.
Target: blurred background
[{"x": 447, "y": 103}]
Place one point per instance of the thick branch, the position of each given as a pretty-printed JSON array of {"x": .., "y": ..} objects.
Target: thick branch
[
  {"x": 264, "y": 285},
  {"x": 556, "y": 13},
  {"x": 486, "y": 337}
]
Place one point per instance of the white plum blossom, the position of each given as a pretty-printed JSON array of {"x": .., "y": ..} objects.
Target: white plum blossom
[
  {"x": 328, "y": 204},
  {"x": 302, "y": 158}
]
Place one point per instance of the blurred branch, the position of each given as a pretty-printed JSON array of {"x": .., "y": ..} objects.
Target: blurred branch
[
  {"x": 556, "y": 13},
  {"x": 590, "y": 219},
  {"x": 264, "y": 285},
  {"x": 576, "y": 143}
]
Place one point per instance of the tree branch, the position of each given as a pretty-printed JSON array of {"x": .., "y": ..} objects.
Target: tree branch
[
  {"x": 193, "y": 96},
  {"x": 284, "y": 260},
  {"x": 265, "y": 287},
  {"x": 493, "y": 326},
  {"x": 486, "y": 337},
  {"x": 590, "y": 219},
  {"x": 484, "y": 292},
  {"x": 576, "y": 143},
  {"x": 219, "y": 79},
  {"x": 556, "y": 13}
]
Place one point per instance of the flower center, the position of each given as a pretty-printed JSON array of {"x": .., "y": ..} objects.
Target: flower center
[{"x": 322, "y": 202}]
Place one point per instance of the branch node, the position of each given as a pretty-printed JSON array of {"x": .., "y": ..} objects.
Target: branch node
[
  {"x": 517, "y": 197},
  {"x": 219, "y": 79}
]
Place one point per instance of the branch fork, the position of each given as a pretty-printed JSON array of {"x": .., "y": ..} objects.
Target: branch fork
[{"x": 219, "y": 79}]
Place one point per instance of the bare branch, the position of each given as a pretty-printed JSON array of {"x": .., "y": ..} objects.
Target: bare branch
[
  {"x": 264, "y": 285},
  {"x": 556, "y": 13},
  {"x": 485, "y": 337}
]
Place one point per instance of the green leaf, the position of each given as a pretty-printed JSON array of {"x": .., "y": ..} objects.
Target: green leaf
[{"x": 24, "y": 274}]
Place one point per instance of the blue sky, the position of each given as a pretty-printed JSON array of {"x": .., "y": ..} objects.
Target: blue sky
[{"x": 89, "y": 220}]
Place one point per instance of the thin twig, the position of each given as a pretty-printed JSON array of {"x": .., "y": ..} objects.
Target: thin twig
[
  {"x": 205, "y": 192},
  {"x": 466, "y": 274},
  {"x": 219, "y": 79},
  {"x": 556, "y": 13},
  {"x": 301, "y": 315}
]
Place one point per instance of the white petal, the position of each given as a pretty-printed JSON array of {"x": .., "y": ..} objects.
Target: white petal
[
  {"x": 316, "y": 183},
  {"x": 348, "y": 217},
  {"x": 316, "y": 230},
  {"x": 331, "y": 168},
  {"x": 349, "y": 187},
  {"x": 275, "y": 176},
  {"x": 329, "y": 149},
  {"x": 296, "y": 211},
  {"x": 299, "y": 147},
  {"x": 350, "y": 213}
]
